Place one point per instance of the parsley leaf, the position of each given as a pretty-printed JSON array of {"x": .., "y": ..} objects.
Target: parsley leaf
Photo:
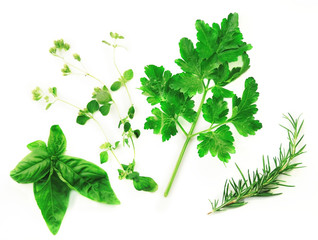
[
  {"x": 210, "y": 59},
  {"x": 187, "y": 83},
  {"x": 244, "y": 109},
  {"x": 161, "y": 123},
  {"x": 219, "y": 143},
  {"x": 215, "y": 110},
  {"x": 190, "y": 62},
  {"x": 155, "y": 85},
  {"x": 231, "y": 45}
]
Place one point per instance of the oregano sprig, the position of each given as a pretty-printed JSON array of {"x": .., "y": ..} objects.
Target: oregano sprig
[
  {"x": 261, "y": 183},
  {"x": 101, "y": 103},
  {"x": 207, "y": 69}
]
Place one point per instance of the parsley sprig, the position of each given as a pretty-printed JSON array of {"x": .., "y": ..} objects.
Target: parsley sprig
[
  {"x": 102, "y": 101},
  {"x": 207, "y": 69},
  {"x": 261, "y": 183}
]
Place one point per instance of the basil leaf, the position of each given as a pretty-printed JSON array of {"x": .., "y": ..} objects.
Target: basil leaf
[
  {"x": 32, "y": 168},
  {"x": 145, "y": 184},
  {"x": 57, "y": 141},
  {"x": 52, "y": 197},
  {"x": 88, "y": 179},
  {"x": 39, "y": 144}
]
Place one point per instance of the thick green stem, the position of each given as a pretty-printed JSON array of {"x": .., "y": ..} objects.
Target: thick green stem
[{"x": 189, "y": 136}]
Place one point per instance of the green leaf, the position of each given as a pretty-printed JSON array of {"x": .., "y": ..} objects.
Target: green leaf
[
  {"x": 102, "y": 95},
  {"x": 161, "y": 123},
  {"x": 131, "y": 112},
  {"x": 127, "y": 126},
  {"x": 221, "y": 92},
  {"x": 137, "y": 133},
  {"x": 207, "y": 39},
  {"x": 244, "y": 109},
  {"x": 33, "y": 167},
  {"x": 187, "y": 83},
  {"x": 53, "y": 91},
  {"x": 115, "y": 86},
  {"x": 77, "y": 57},
  {"x": 93, "y": 106},
  {"x": 37, "y": 145},
  {"x": 156, "y": 85},
  {"x": 190, "y": 62},
  {"x": 88, "y": 179},
  {"x": 215, "y": 110},
  {"x": 57, "y": 141},
  {"x": 104, "y": 109},
  {"x": 223, "y": 75},
  {"x": 37, "y": 94},
  {"x": 52, "y": 197},
  {"x": 82, "y": 119},
  {"x": 231, "y": 45},
  {"x": 128, "y": 75},
  {"x": 115, "y": 35},
  {"x": 132, "y": 176},
  {"x": 177, "y": 104},
  {"x": 145, "y": 184},
  {"x": 103, "y": 157},
  {"x": 219, "y": 143}
]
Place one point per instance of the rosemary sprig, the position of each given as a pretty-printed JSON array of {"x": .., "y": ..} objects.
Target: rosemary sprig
[{"x": 261, "y": 184}]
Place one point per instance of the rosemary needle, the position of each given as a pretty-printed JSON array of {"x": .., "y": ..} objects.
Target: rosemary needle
[{"x": 261, "y": 183}]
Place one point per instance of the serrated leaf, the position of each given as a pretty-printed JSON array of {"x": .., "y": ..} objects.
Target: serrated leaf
[
  {"x": 190, "y": 61},
  {"x": 207, "y": 39},
  {"x": 187, "y": 83},
  {"x": 156, "y": 85},
  {"x": 223, "y": 75},
  {"x": 215, "y": 110},
  {"x": 161, "y": 123},
  {"x": 221, "y": 92},
  {"x": 219, "y": 143},
  {"x": 244, "y": 109},
  {"x": 231, "y": 45}
]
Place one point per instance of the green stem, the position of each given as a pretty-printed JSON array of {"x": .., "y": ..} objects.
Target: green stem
[
  {"x": 121, "y": 76},
  {"x": 80, "y": 70},
  {"x": 208, "y": 129},
  {"x": 184, "y": 131},
  {"x": 189, "y": 136}
]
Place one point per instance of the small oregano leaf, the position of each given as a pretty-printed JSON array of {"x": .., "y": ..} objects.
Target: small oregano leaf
[{"x": 115, "y": 86}]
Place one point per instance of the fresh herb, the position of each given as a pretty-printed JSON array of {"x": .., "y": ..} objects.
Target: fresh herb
[
  {"x": 55, "y": 174},
  {"x": 101, "y": 103},
  {"x": 261, "y": 183},
  {"x": 219, "y": 57}
]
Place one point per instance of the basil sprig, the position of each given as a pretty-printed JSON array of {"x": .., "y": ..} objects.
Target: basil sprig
[{"x": 55, "y": 174}]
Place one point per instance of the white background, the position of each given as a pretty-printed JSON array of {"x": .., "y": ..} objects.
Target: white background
[{"x": 283, "y": 62}]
